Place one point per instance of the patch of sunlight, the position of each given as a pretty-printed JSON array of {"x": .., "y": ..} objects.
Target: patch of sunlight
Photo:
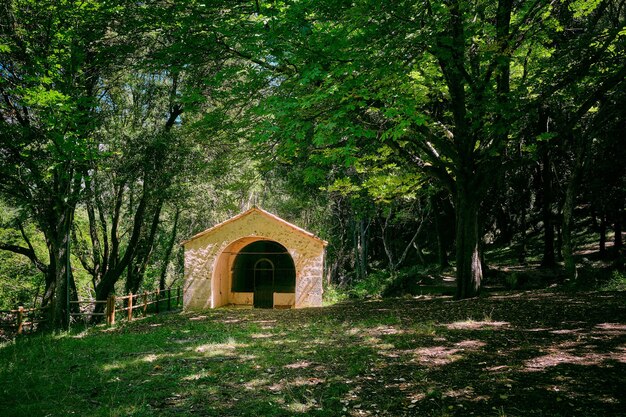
[
  {"x": 298, "y": 407},
  {"x": 497, "y": 368},
  {"x": 82, "y": 334},
  {"x": 575, "y": 353},
  {"x": 216, "y": 349},
  {"x": 244, "y": 358},
  {"x": 384, "y": 346},
  {"x": 198, "y": 318},
  {"x": 230, "y": 321},
  {"x": 416, "y": 397},
  {"x": 261, "y": 335},
  {"x": 277, "y": 387},
  {"x": 311, "y": 382},
  {"x": 112, "y": 367},
  {"x": 611, "y": 328},
  {"x": 354, "y": 331},
  {"x": 437, "y": 355},
  {"x": 538, "y": 329},
  {"x": 373, "y": 341},
  {"x": 298, "y": 365},
  {"x": 471, "y": 324},
  {"x": 254, "y": 384},
  {"x": 199, "y": 375},
  {"x": 558, "y": 357},
  {"x": 384, "y": 330},
  {"x": 566, "y": 331},
  {"x": 282, "y": 342},
  {"x": 470, "y": 344},
  {"x": 150, "y": 358},
  {"x": 466, "y": 393}
]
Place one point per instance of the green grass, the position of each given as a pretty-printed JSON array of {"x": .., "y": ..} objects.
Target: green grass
[{"x": 390, "y": 357}]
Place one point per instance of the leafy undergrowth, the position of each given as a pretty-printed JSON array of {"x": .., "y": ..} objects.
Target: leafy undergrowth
[{"x": 536, "y": 353}]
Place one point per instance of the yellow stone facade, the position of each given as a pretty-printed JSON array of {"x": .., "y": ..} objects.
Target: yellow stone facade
[{"x": 210, "y": 256}]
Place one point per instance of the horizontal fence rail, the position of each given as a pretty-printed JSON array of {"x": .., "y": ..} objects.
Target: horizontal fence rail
[{"x": 21, "y": 318}]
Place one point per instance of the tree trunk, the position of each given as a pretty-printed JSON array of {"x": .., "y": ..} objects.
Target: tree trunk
[
  {"x": 568, "y": 245},
  {"x": 139, "y": 261},
  {"x": 468, "y": 265},
  {"x": 617, "y": 228},
  {"x": 602, "y": 236},
  {"x": 361, "y": 248},
  {"x": 168, "y": 251},
  {"x": 559, "y": 242},
  {"x": 548, "y": 260},
  {"x": 442, "y": 253},
  {"x": 61, "y": 268},
  {"x": 568, "y": 208},
  {"x": 386, "y": 244},
  {"x": 521, "y": 254}
]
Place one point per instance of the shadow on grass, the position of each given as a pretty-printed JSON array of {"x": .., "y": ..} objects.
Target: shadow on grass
[{"x": 538, "y": 353}]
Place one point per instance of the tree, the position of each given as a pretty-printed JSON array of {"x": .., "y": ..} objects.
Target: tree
[
  {"x": 52, "y": 56},
  {"x": 441, "y": 87}
]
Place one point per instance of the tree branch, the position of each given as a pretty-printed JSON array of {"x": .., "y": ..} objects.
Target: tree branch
[{"x": 28, "y": 252}]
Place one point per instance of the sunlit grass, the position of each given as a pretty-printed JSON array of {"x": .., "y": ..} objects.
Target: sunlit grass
[{"x": 390, "y": 357}]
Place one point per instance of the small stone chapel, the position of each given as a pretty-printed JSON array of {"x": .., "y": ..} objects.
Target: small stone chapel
[{"x": 255, "y": 259}]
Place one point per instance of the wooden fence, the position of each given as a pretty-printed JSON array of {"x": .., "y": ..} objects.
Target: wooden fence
[{"x": 21, "y": 317}]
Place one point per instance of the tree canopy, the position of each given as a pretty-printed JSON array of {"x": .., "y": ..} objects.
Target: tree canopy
[{"x": 403, "y": 132}]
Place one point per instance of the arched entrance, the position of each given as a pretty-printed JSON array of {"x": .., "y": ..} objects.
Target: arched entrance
[{"x": 264, "y": 268}]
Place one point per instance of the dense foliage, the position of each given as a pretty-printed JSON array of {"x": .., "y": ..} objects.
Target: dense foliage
[{"x": 405, "y": 133}]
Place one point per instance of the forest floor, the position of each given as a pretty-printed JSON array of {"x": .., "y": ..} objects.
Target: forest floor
[{"x": 532, "y": 353}]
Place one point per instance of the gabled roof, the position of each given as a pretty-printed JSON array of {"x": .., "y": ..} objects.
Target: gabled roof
[{"x": 248, "y": 212}]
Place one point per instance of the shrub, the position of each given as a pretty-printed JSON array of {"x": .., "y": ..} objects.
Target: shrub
[
  {"x": 617, "y": 282},
  {"x": 333, "y": 295}
]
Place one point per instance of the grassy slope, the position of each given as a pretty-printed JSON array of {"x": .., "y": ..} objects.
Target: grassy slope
[{"x": 538, "y": 353}]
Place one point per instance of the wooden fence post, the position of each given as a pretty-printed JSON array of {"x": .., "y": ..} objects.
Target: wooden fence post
[
  {"x": 145, "y": 302},
  {"x": 20, "y": 319},
  {"x": 169, "y": 299},
  {"x": 130, "y": 306},
  {"x": 158, "y": 293},
  {"x": 111, "y": 310}
]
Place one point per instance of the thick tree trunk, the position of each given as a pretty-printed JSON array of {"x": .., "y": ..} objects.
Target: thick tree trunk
[
  {"x": 468, "y": 265},
  {"x": 61, "y": 270}
]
